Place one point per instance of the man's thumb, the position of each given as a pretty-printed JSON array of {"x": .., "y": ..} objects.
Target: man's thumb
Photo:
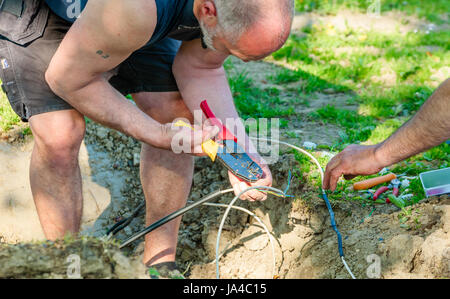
[{"x": 210, "y": 132}]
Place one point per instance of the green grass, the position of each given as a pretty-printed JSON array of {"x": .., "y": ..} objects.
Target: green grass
[
  {"x": 253, "y": 102},
  {"x": 7, "y": 116},
  {"x": 388, "y": 76},
  {"x": 391, "y": 75},
  {"x": 310, "y": 83},
  {"x": 426, "y": 9},
  {"x": 386, "y": 70},
  {"x": 355, "y": 127},
  {"x": 385, "y": 129}
]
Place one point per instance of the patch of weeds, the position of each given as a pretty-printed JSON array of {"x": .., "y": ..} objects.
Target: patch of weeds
[
  {"x": 403, "y": 100},
  {"x": 309, "y": 171},
  {"x": 283, "y": 123},
  {"x": 308, "y": 83},
  {"x": 295, "y": 49},
  {"x": 284, "y": 76},
  {"x": 26, "y": 131},
  {"x": 8, "y": 118},
  {"x": 409, "y": 218},
  {"x": 391, "y": 73},
  {"x": 253, "y": 102},
  {"x": 291, "y": 134},
  {"x": 357, "y": 127},
  {"x": 440, "y": 153},
  {"x": 303, "y": 162},
  {"x": 411, "y": 167},
  {"x": 416, "y": 188},
  {"x": 69, "y": 238},
  {"x": 384, "y": 130}
]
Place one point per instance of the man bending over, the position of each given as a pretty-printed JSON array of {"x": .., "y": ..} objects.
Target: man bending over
[{"x": 168, "y": 54}]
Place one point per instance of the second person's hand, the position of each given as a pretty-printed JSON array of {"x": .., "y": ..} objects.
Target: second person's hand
[{"x": 354, "y": 160}]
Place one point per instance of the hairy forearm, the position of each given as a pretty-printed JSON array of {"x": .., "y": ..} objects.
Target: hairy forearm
[
  {"x": 99, "y": 101},
  {"x": 428, "y": 128}
]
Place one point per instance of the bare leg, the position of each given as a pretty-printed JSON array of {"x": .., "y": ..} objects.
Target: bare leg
[
  {"x": 166, "y": 178},
  {"x": 54, "y": 172}
]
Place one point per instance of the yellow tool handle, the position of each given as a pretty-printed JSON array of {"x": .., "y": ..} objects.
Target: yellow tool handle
[
  {"x": 366, "y": 184},
  {"x": 210, "y": 147}
]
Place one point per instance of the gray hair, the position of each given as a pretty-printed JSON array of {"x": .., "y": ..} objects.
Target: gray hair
[{"x": 237, "y": 16}]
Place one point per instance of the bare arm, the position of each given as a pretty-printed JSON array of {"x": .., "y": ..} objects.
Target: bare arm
[
  {"x": 105, "y": 35},
  {"x": 428, "y": 128},
  {"x": 200, "y": 76}
]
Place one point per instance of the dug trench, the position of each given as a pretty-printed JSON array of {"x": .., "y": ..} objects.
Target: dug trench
[{"x": 305, "y": 244}]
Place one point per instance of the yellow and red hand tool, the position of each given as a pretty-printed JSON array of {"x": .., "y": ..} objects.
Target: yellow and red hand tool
[{"x": 226, "y": 149}]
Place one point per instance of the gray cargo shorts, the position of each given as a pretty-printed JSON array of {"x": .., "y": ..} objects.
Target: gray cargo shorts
[{"x": 23, "y": 67}]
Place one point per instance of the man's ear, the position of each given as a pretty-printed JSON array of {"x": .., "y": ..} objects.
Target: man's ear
[{"x": 208, "y": 13}]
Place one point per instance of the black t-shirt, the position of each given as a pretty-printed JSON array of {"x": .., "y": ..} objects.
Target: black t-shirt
[{"x": 176, "y": 18}]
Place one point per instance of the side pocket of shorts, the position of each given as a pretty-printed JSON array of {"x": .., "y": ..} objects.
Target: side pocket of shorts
[
  {"x": 9, "y": 81},
  {"x": 25, "y": 22}
]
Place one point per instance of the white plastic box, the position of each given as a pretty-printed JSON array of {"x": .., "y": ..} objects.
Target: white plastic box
[{"x": 436, "y": 182}]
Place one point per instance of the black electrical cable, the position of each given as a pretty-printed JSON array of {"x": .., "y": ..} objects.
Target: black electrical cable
[
  {"x": 170, "y": 217},
  {"x": 125, "y": 222}
]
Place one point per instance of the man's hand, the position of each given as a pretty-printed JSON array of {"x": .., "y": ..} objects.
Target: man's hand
[
  {"x": 352, "y": 161},
  {"x": 429, "y": 127},
  {"x": 174, "y": 136},
  {"x": 252, "y": 195}
]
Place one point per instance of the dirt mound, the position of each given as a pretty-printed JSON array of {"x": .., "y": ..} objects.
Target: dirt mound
[
  {"x": 388, "y": 244},
  {"x": 398, "y": 250},
  {"x": 60, "y": 259}
]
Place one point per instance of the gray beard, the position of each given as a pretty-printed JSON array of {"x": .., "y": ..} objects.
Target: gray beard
[{"x": 208, "y": 36}]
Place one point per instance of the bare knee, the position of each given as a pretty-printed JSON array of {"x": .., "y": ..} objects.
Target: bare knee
[
  {"x": 58, "y": 136},
  {"x": 164, "y": 107}
]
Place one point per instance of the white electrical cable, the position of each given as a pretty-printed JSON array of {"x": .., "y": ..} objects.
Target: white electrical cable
[
  {"x": 298, "y": 149},
  {"x": 319, "y": 167},
  {"x": 262, "y": 188},
  {"x": 224, "y": 217},
  {"x": 347, "y": 267},
  {"x": 259, "y": 221},
  {"x": 230, "y": 205}
]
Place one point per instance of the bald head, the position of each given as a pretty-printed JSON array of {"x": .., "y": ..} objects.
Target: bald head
[{"x": 254, "y": 28}]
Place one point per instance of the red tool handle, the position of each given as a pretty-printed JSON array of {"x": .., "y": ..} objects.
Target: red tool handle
[
  {"x": 380, "y": 191},
  {"x": 224, "y": 133}
]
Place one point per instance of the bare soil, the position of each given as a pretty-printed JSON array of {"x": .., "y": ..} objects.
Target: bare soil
[{"x": 306, "y": 246}]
